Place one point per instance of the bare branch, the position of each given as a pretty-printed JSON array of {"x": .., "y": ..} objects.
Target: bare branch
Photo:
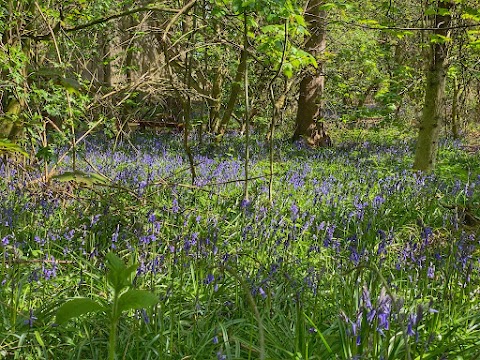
[{"x": 58, "y": 26}]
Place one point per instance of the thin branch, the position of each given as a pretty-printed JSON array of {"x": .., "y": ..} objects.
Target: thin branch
[
  {"x": 177, "y": 15},
  {"x": 58, "y": 26},
  {"x": 399, "y": 28}
]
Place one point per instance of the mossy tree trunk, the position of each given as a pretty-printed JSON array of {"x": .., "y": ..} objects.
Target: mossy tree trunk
[
  {"x": 215, "y": 103},
  {"x": 236, "y": 87},
  {"x": 313, "y": 83},
  {"x": 431, "y": 121}
]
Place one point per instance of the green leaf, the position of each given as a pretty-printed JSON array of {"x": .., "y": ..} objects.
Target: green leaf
[
  {"x": 45, "y": 153},
  {"x": 119, "y": 274},
  {"x": 136, "y": 299},
  {"x": 116, "y": 276},
  {"x": 71, "y": 85},
  {"x": 124, "y": 276},
  {"x": 474, "y": 45},
  {"x": 9, "y": 146},
  {"x": 328, "y": 6},
  {"x": 439, "y": 39},
  {"x": 288, "y": 70},
  {"x": 431, "y": 10},
  {"x": 81, "y": 177},
  {"x": 443, "y": 11},
  {"x": 39, "y": 338},
  {"x": 77, "y": 307}
]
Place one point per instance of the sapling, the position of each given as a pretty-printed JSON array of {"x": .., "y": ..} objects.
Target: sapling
[{"x": 123, "y": 299}]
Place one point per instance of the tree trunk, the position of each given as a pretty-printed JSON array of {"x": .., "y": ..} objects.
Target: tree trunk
[
  {"x": 431, "y": 122},
  {"x": 188, "y": 23},
  {"x": 106, "y": 67},
  {"x": 215, "y": 103},
  {"x": 310, "y": 104},
  {"x": 455, "y": 109},
  {"x": 234, "y": 92}
]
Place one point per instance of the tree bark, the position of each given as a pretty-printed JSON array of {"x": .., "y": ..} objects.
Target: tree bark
[
  {"x": 310, "y": 106},
  {"x": 431, "y": 122},
  {"x": 455, "y": 109},
  {"x": 215, "y": 103},
  {"x": 234, "y": 92}
]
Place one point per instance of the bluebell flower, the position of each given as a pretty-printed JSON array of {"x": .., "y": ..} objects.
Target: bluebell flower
[
  {"x": 175, "y": 207},
  {"x": 145, "y": 316},
  {"x": 294, "y": 212},
  {"x": 95, "y": 219},
  {"x": 366, "y": 298},
  {"x": 384, "y": 305},
  {"x": 412, "y": 322},
  {"x": 39, "y": 240},
  {"x": 209, "y": 279},
  {"x": 115, "y": 237},
  {"x": 245, "y": 203},
  {"x": 431, "y": 271},
  {"x": 31, "y": 319},
  {"x": 152, "y": 217},
  {"x": 377, "y": 201},
  {"x": 6, "y": 240},
  {"x": 371, "y": 315},
  {"x": 49, "y": 272},
  {"x": 262, "y": 292}
]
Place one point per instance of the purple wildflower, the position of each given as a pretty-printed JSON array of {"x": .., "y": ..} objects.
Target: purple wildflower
[
  {"x": 412, "y": 322},
  {"x": 145, "y": 317},
  {"x": 431, "y": 271},
  {"x": 384, "y": 305},
  {"x": 262, "y": 292},
  {"x": 6, "y": 240},
  {"x": 366, "y": 298},
  {"x": 49, "y": 272},
  {"x": 115, "y": 237},
  {"x": 39, "y": 240},
  {"x": 209, "y": 279},
  {"x": 31, "y": 319},
  {"x": 294, "y": 212},
  {"x": 95, "y": 219},
  {"x": 152, "y": 218},
  {"x": 175, "y": 207}
]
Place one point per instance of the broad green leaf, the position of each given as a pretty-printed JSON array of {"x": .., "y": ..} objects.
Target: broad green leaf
[
  {"x": 119, "y": 274},
  {"x": 99, "y": 179},
  {"x": 77, "y": 307},
  {"x": 81, "y": 177},
  {"x": 116, "y": 274},
  {"x": 136, "y": 299},
  {"x": 125, "y": 275},
  {"x": 114, "y": 263},
  {"x": 75, "y": 176},
  {"x": 9, "y": 146}
]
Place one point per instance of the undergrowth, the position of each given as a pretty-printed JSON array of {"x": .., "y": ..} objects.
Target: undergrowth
[{"x": 357, "y": 257}]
